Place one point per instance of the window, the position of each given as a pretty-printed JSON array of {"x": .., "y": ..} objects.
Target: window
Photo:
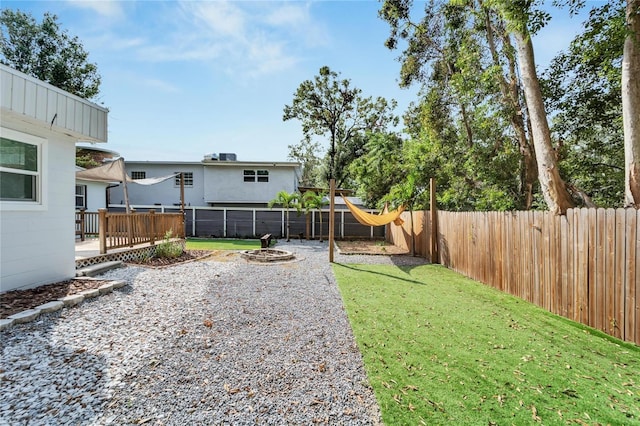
[
  {"x": 188, "y": 179},
  {"x": 249, "y": 175},
  {"x": 81, "y": 197},
  {"x": 20, "y": 168},
  {"x": 138, "y": 175},
  {"x": 256, "y": 175}
]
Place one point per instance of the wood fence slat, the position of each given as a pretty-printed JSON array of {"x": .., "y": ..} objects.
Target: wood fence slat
[
  {"x": 592, "y": 256},
  {"x": 597, "y": 295},
  {"x": 630, "y": 296},
  {"x": 610, "y": 270},
  {"x": 564, "y": 267},
  {"x": 582, "y": 265}
]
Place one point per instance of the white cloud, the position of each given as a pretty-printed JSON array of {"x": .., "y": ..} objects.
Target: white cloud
[
  {"x": 242, "y": 38},
  {"x": 107, "y": 8}
]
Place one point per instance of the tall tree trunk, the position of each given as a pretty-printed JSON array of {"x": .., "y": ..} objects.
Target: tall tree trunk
[
  {"x": 631, "y": 105},
  {"x": 511, "y": 99},
  {"x": 553, "y": 187}
]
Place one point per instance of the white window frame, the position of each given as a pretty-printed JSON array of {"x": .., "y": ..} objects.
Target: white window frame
[
  {"x": 82, "y": 195},
  {"x": 188, "y": 180},
  {"x": 40, "y": 202}
]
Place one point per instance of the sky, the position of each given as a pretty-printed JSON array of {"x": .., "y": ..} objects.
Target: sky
[{"x": 182, "y": 79}]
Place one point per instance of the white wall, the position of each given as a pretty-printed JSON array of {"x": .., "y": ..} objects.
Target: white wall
[
  {"x": 165, "y": 193},
  {"x": 212, "y": 183},
  {"x": 96, "y": 194},
  {"x": 226, "y": 184},
  {"x": 37, "y": 243}
]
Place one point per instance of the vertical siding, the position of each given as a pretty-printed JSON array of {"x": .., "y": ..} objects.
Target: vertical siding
[{"x": 25, "y": 95}]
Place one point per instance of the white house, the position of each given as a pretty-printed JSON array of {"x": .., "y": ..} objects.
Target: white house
[
  {"x": 210, "y": 182},
  {"x": 39, "y": 127}
]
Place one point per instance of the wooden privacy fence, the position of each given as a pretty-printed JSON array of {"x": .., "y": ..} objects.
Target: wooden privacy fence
[
  {"x": 126, "y": 230},
  {"x": 582, "y": 266}
]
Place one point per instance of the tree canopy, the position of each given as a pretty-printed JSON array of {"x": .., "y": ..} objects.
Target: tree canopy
[
  {"x": 330, "y": 107},
  {"x": 47, "y": 52}
]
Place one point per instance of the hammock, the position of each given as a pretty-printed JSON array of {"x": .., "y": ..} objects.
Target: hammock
[{"x": 369, "y": 219}]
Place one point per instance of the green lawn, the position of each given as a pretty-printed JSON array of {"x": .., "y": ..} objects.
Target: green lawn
[
  {"x": 439, "y": 348},
  {"x": 221, "y": 244}
]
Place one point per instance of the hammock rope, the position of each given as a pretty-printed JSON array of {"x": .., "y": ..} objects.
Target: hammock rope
[{"x": 369, "y": 219}]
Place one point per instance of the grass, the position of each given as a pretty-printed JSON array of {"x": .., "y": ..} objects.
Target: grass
[
  {"x": 439, "y": 348},
  {"x": 221, "y": 244}
]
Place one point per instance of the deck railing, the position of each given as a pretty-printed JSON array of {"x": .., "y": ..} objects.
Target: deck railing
[{"x": 127, "y": 230}]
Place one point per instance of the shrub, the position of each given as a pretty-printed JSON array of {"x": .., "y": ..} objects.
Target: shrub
[{"x": 168, "y": 248}]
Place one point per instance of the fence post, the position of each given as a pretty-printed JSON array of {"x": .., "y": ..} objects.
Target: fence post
[
  {"x": 102, "y": 230},
  {"x": 152, "y": 226},
  {"x": 332, "y": 207},
  {"x": 130, "y": 227},
  {"x": 434, "y": 221}
]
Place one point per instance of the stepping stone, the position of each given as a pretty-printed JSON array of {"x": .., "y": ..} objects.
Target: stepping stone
[
  {"x": 51, "y": 306},
  {"x": 25, "y": 316},
  {"x": 105, "y": 288},
  {"x": 72, "y": 300},
  {"x": 6, "y": 323},
  {"x": 118, "y": 284},
  {"x": 94, "y": 292}
]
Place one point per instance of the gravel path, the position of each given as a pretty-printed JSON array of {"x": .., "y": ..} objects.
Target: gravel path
[{"x": 199, "y": 343}]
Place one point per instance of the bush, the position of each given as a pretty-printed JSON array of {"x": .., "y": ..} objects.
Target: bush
[{"x": 168, "y": 248}]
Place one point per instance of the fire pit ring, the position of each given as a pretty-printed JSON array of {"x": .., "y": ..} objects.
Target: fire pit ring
[{"x": 267, "y": 255}]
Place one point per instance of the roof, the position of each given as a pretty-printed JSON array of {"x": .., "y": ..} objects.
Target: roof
[
  {"x": 218, "y": 163},
  {"x": 28, "y": 99}
]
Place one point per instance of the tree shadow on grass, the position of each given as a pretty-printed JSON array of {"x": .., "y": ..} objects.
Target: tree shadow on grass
[{"x": 405, "y": 269}]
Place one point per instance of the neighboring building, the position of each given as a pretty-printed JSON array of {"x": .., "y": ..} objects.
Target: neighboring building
[
  {"x": 93, "y": 195},
  {"x": 39, "y": 127},
  {"x": 211, "y": 182}
]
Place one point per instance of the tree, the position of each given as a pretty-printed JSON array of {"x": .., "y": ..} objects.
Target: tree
[
  {"x": 45, "y": 51},
  {"x": 582, "y": 90},
  {"x": 314, "y": 201},
  {"x": 378, "y": 169},
  {"x": 287, "y": 201},
  {"x": 631, "y": 104},
  {"x": 467, "y": 44},
  {"x": 305, "y": 152},
  {"x": 329, "y": 106},
  {"x": 524, "y": 21}
]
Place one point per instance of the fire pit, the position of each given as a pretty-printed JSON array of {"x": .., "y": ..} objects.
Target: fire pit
[{"x": 267, "y": 255}]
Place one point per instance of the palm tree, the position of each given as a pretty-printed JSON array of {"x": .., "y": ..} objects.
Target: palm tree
[
  {"x": 287, "y": 201},
  {"x": 312, "y": 200}
]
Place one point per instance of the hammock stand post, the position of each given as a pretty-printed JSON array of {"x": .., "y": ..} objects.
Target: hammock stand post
[{"x": 332, "y": 206}]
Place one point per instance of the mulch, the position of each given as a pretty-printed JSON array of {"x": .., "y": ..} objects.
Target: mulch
[{"x": 15, "y": 301}]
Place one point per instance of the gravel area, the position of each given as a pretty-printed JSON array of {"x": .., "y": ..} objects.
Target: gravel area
[{"x": 206, "y": 342}]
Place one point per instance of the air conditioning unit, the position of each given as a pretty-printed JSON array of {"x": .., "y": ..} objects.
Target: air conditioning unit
[
  {"x": 211, "y": 157},
  {"x": 227, "y": 156}
]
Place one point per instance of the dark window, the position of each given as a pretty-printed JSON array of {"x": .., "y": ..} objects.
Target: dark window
[
  {"x": 249, "y": 175},
  {"x": 19, "y": 170},
  {"x": 81, "y": 197},
  {"x": 138, "y": 175}
]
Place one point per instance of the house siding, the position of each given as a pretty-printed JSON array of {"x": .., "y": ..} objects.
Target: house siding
[
  {"x": 217, "y": 183},
  {"x": 37, "y": 246},
  {"x": 37, "y": 239}
]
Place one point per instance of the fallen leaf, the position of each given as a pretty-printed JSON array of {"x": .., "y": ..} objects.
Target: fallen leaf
[{"x": 208, "y": 323}]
